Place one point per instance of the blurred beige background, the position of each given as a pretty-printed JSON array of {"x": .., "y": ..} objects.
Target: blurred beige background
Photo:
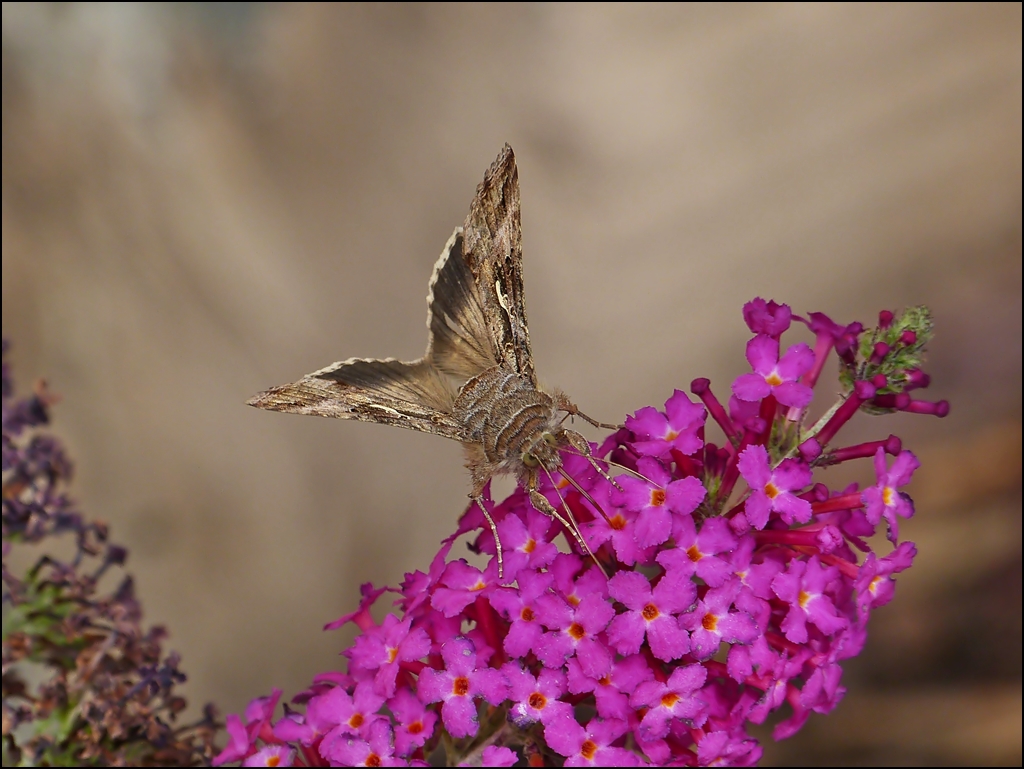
[{"x": 200, "y": 201}]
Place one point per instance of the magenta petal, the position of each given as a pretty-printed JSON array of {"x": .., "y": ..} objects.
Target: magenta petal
[
  {"x": 490, "y": 684},
  {"x": 667, "y": 640},
  {"x": 903, "y": 468},
  {"x": 433, "y": 685},
  {"x": 595, "y": 660},
  {"x": 794, "y": 626},
  {"x": 798, "y": 360},
  {"x": 713, "y": 570},
  {"x": 653, "y": 526},
  {"x": 594, "y": 613},
  {"x": 792, "y": 475},
  {"x": 238, "y": 744},
  {"x": 648, "y": 423},
  {"x": 635, "y": 494},
  {"x": 704, "y": 643},
  {"x": 792, "y": 509},
  {"x": 763, "y": 354},
  {"x": 751, "y": 387},
  {"x": 683, "y": 496},
  {"x": 757, "y": 509},
  {"x": 754, "y": 467},
  {"x": 459, "y": 716},
  {"x": 451, "y": 602},
  {"x": 498, "y": 756},
  {"x": 683, "y": 413},
  {"x": 565, "y": 735},
  {"x": 793, "y": 394},
  {"x": 522, "y": 638},
  {"x": 630, "y": 588},
  {"x": 655, "y": 723},
  {"x": 626, "y": 633},
  {"x": 674, "y": 594},
  {"x": 737, "y": 628}
]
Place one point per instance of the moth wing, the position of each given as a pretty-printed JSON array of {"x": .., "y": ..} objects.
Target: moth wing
[
  {"x": 412, "y": 395},
  {"x": 493, "y": 251},
  {"x": 460, "y": 339}
]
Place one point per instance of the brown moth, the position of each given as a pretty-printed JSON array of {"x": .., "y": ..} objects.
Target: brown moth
[{"x": 479, "y": 339}]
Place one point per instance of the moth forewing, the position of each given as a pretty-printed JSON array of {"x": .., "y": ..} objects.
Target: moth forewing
[{"x": 476, "y": 383}]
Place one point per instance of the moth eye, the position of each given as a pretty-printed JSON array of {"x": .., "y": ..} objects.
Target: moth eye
[
  {"x": 550, "y": 439},
  {"x": 530, "y": 460}
]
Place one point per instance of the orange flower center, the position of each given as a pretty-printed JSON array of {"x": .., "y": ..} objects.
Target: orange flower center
[
  {"x": 356, "y": 721},
  {"x": 392, "y": 654},
  {"x": 273, "y": 761},
  {"x": 804, "y": 599},
  {"x": 478, "y": 586},
  {"x": 651, "y": 612},
  {"x": 605, "y": 680},
  {"x": 710, "y": 622},
  {"x": 576, "y": 630},
  {"x": 526, "y": 614},
  {"x": 373, "y": 760},
  {"x": 773, "y": 379},
  {"x": 588, "y": 749},
  {"x": 530, "y": 546},
  {"x": 669, "y": 700},
  {"x": 888, "y": 496},
  {"x": 574, "y": 600},
  {"x": 415, "y": 727},
  {"x": 771, "y": 490},
  {"x": 538, "y": 701},
  {"x": 671, "y": 435},
  {"x": 657, "y": 497},
  {"x": 460, "y": 686},
  {"x": 694, "y": 553},
  {"x": 618, "y": 522}
]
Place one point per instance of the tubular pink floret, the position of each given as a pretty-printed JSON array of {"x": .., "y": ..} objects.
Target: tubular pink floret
[
  {"x": 862, "y": 391},
  {"x": 810, "y": 450},
  {"x": 892, "y": 446},
  {"x": 898, "y": 401},
  {"x": 935, "y": 408},
  {"x": 917, "y": 379},
  {"x": 701, "y": 387},
  {"x": 850, "y": 501}
]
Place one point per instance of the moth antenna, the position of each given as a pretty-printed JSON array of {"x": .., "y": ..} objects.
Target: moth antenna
[
  {"x": 595, "y": 423},
  {"x": 575, "y": 527},
  {"x": 583, "y": 492},
  {"x": 566, "y": 405},
  {"x": 494, "y": 532}
]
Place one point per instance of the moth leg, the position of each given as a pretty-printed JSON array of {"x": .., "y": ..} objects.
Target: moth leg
[
  {"x": 494, "y": 531},
  {"x": 564, "y": 404},
  {"x": 582, "y": 445},
  {"x": 540, "y": 503},
  {"x": 480, "y": 471}
]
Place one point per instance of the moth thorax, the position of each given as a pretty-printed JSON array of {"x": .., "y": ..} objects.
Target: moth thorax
[{"x": 509, "y": 417}]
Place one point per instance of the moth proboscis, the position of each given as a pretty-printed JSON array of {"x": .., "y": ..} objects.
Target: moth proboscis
[{"x": 479, "y": 339}]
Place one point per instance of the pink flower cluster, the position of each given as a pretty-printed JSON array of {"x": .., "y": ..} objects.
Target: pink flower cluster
[{"x": 723, "y": 602}]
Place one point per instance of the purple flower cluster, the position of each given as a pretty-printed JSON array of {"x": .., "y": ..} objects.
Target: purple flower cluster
[
  {"x": 84, "y": 683},
  {"x": 723, "y": 601}
]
